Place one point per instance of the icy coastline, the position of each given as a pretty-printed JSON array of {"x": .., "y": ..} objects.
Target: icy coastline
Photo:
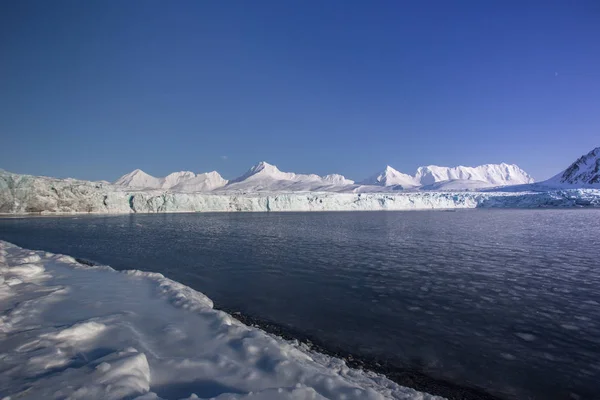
[
  {"x": 139, "y": 335},
  {"x": 23, "y": 194}
]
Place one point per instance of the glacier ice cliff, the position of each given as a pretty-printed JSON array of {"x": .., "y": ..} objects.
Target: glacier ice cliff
[{"x": 21, "y": 194}]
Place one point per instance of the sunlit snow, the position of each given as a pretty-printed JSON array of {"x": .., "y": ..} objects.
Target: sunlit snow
[{"x": 68, "y": 330}]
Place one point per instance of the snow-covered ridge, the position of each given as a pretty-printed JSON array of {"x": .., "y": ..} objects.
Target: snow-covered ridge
[
  {"x": 265, "y": 177},
  {"x": 584, "y": 171},
  {"x": 147, "y": 337},
  {"x": 492, "y": 174},
  {"x": 184, "y": 181},
  {"x": 20, "y": 194},
  {"x": 390, "y": 177}
]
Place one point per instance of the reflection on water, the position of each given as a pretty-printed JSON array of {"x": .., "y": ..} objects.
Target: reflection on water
[{"x": 506, "y": 300}]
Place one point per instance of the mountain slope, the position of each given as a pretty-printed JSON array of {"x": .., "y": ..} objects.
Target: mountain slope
[
  {"x": 585, "y": 171},
  {"x": 176, "y": 177},
  {"x": 494, "y": 174},
  {"x": 390, "y": 177},
  {"x": 138, "y": 179},
  {"x": 183, "y": 181},
  {"x": 205, "y": 182},
  {"x": 267, "y": 177}
]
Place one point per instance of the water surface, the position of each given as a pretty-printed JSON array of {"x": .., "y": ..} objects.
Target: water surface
[{"x": 504, "y": 300}]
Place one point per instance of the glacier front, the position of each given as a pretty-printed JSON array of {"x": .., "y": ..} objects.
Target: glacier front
[{"x": 22, "y": 194}]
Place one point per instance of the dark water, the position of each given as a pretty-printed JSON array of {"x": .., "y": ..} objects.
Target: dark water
[{"x": 505, "y": 300}]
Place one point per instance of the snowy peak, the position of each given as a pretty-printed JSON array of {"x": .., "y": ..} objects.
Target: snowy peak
[
  {"x": 264, "y": 170},
  {"x": 267, "y": 177},
  {"x": 264, "y": 166},
  {"x": 177, "y": 177},
  {"x": 494, "y": 174},
  {"x": 201, "y": 183},
  {"x": 390, "y": 177},
  {"x": 185, "y": 181},
  {"x": 337, "y": 179},
  {"x": 584, "y": 171},
  {"x": 139, "y": 179}
]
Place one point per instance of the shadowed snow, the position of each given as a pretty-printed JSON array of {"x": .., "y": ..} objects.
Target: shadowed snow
[{"x": 69, "y": 330}]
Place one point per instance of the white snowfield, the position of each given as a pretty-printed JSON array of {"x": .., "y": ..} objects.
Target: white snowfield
[
  {"x": 73, "y": 331},
  {"x": 21, "y": 194}
]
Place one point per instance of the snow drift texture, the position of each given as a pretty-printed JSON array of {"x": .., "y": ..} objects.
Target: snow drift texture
[
  {"x": 265, "y": 188},
  {"x": 72, "y": 331}
]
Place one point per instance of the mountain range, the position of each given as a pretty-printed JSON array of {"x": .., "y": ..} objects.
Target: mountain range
[
  {"x": 267, "y": 177},
  {"x": 265, "y": 188}
]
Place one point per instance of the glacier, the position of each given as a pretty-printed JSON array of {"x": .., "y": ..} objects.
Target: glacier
[
  {"x": 139, "y": 335},
  {"x": 22, "y": 194},
  {"x": 265, "y": 188}
]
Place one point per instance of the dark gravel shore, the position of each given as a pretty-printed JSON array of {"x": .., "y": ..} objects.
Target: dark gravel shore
[{"x": 412, "y": 378}]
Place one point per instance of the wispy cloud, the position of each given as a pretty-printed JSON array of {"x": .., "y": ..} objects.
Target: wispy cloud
[{"x": 224, "y": 158}]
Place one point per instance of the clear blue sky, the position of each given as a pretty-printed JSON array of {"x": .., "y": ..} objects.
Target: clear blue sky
[{"x": 95, "y": 89}]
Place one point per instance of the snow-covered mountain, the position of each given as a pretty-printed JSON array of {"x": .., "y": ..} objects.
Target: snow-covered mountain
[
  {"x": 264, "y": 177},
  {"x": 585, "y": 171},
  {"x": 138, "y": 179},
  {"x": 183, "y": 181},
  {"x": 337, "y": 179},
  {"x": 176, "y": 178},
  {"x": 433, "y": 177},
  {"x": 265, "y": 188},
  {"x": 200, "y": 183},
  {"x": 492, "y": 174},
  {"x": 390, "y": 177}
]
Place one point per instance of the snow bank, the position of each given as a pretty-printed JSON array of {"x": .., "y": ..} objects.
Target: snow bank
[{"x": 72, "y": 331}]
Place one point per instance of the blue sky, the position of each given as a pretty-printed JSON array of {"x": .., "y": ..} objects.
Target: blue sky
[{"x": 95, "y": 89}]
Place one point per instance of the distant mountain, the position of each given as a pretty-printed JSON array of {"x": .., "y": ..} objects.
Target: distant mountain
[
  {"x": 390, "y": 177},
  {"x": 433, "y": 177},
  {"x": 176, "y": 178},
  {"x": 266, "y": 177},
  {"x": 583, "y": 172},
  {"x": 201, "y": 183},
  {"x": 183, "y": 181},
  {"x": 494, "y": 174},
  {"x": 138, "y": 179},
  {"x": 337, "y": 179}
]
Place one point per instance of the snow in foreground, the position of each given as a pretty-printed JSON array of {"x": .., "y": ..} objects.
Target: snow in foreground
[{"x": 68, "y": 330}]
